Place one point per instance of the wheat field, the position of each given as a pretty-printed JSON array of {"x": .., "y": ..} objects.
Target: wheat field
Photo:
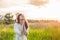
[{"x": 47, "y": 33}]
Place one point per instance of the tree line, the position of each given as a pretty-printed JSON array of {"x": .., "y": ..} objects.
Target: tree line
[{"x": 6, "y": 19}]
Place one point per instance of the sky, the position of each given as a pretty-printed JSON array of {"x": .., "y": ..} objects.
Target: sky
[{"x": 50, "y": 11}]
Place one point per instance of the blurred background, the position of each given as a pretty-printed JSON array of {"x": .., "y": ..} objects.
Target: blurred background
[{"x": 43, "y": 17}]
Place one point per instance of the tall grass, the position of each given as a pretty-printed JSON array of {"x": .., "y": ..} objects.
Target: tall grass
[{"x": 47, "y": 33}]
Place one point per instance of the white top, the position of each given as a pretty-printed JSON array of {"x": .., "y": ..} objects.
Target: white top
[{"x": 17, "y": 29}]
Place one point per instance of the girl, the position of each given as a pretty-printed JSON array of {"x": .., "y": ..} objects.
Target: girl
[{"x": 21, "y": 28}]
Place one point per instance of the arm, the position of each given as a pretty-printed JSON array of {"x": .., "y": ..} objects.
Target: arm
[{"x": 26, "y": 31}]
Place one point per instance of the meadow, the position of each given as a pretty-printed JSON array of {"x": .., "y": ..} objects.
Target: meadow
[{"x": 47, "y": 33}]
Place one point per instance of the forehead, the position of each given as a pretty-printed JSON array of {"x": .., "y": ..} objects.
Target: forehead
[{"x": 21, "y": 15}]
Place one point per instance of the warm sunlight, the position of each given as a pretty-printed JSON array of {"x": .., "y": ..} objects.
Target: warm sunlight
[
  {"x": 29, "y": 19},
  {"x": 49, "y": 11}
]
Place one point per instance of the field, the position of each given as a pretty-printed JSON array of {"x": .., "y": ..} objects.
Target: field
[{"x": 47, "y": 33}]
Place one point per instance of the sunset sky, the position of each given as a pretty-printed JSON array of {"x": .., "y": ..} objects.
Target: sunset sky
[{"x": 51, "y": 10}]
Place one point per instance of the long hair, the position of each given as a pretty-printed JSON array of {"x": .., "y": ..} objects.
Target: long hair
[{"x": 18, "y": 20}]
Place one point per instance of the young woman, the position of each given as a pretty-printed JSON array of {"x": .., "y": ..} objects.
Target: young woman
[{"x": 21, "y": 28}]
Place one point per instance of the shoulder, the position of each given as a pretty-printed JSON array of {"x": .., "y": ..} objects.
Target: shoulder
[{"x": 15, "y": 24}]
